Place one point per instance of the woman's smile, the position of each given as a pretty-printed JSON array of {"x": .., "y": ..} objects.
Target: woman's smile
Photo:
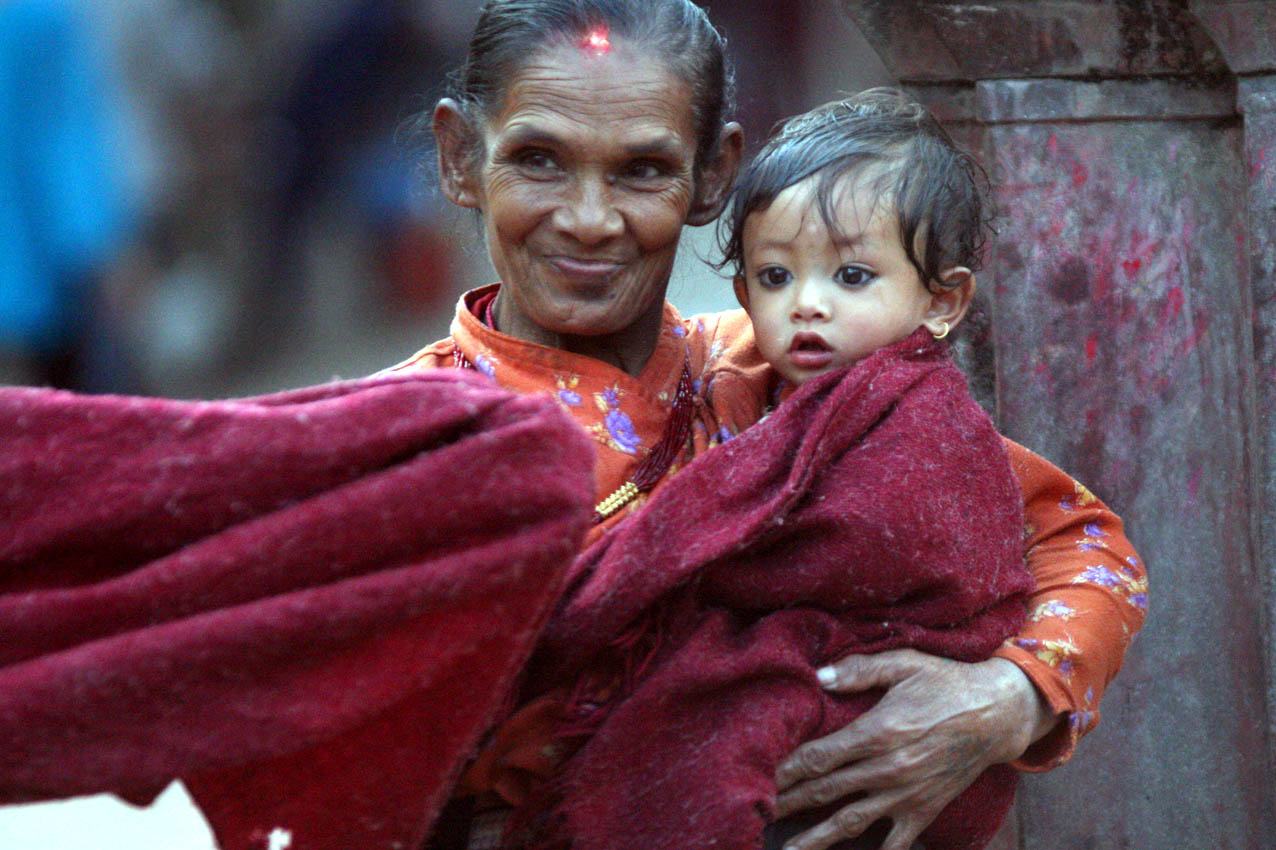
[{"x": 584, "y": 271}]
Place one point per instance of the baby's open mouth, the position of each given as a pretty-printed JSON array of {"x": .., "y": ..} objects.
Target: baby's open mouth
[{"x": 809, "y": 342}]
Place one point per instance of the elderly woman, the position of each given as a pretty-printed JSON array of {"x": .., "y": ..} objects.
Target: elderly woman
[{"x": 587, "y": 133}]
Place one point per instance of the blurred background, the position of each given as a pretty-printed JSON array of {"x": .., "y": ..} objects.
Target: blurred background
[{"x": 213, "y": 198}]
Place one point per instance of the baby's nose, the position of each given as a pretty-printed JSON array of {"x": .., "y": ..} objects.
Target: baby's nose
[{"x": 809, "y": 302}]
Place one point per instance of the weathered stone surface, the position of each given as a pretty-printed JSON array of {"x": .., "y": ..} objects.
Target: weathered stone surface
[
  {"x": 943, "y": 41},
  {"x": 1244, "y": 32},
  {"x": 1257, "y": 101},
  {"x": 1122, "y": 352},
  {"x": 1000, "y": 101}
]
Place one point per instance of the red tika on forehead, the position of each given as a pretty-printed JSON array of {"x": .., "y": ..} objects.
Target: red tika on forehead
[{"x": 597, "y": 42}]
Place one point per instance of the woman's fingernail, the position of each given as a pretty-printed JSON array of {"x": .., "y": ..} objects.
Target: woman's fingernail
[{"x": 826, "y": 675}]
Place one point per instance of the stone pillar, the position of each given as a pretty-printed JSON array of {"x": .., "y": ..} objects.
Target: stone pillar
[
  {"x": 1132, "y": 309},
  {"x": 1245, "y": 33},
  {"x": 1257, "y": 100}
]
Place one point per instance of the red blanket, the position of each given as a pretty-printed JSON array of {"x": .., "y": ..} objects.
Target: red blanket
[
  {"x": 308, "y": 605},
  {"x": 874, "y": 509}
]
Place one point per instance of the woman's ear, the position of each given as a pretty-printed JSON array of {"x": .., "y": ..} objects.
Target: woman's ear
[
  {"x": 455, "y": 140},
  {"x": 714, "y": 182},
  {"x": 741, "y": 291},
  {"x": 948, "y": 306}
]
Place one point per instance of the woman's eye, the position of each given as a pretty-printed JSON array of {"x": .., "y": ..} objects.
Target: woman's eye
[
  {"x": 535, "y": 160},
  {"x": 852, "y": 276},
  {"x": 773, "y": 277},
  {"x": 644, "y": 171}
]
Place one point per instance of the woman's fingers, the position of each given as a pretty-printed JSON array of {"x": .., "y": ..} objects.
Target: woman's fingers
[
  {"x": 816, "y": 759},
  {"x": 861, "y": 672},
  {"x": 824, "y": 790},
  {"x": 870, "y": 734},
  {"x": 851, "y": 821},
  {"x": 904, "y": 834}
]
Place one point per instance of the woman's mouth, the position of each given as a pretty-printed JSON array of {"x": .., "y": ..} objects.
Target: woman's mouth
[
  {"x": 810, "y": 351},
  {"x": 586, "y": 271}
]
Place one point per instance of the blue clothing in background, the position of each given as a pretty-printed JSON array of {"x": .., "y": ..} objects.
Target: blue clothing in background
[{"x": 63, "y": 214}]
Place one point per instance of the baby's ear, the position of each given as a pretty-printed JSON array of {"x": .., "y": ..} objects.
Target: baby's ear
[
  {"x": 949, "y": 304},
  {"x": 741, "y": 291}
]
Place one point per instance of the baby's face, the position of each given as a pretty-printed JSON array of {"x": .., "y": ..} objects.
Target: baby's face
[{"x": 821, "y": 301}]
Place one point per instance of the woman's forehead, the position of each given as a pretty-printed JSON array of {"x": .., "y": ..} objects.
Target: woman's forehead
[{"x": 627, "y": 91}]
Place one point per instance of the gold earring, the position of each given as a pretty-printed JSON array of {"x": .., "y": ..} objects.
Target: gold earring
[{"x": 942, "y": 333}]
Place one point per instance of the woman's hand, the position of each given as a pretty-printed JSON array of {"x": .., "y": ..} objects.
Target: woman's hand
[{"x": 939, "y": 725}]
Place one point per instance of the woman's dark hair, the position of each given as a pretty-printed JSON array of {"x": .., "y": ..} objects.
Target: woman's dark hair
[
  {"x": 936, "y": 190},
  {"x": 509, "y": 32}
]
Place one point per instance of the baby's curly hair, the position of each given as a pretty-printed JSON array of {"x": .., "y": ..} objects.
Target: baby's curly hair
[{"x": 937, "y": 191}]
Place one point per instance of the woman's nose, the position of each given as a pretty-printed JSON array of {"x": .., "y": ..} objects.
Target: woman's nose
[
  {"x": 588, "y": 214},
  {"x": 809, "y": 303}
]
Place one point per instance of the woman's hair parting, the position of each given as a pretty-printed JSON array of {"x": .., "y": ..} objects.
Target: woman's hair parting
[
  {"x": 509, "y": 32},
  {"x": 935, "y": 189}
]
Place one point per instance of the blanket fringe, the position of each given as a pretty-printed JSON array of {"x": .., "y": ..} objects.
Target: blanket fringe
[{"x": 540, "y": 823}]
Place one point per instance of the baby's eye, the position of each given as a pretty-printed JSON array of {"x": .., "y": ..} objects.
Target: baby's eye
[
  {"x": 854, "y": 276},
  {"x": 773, "y": 277}
]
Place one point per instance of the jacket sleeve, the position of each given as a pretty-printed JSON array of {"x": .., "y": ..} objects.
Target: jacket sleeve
[{"x": 1090, "y": 601}]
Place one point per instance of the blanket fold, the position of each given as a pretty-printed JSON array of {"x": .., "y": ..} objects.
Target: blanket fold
[
  {"x": 875, "y": 509},
  {"x": 307, "y": 605}
]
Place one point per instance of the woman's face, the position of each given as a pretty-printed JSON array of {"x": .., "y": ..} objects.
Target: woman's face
[{"x": 586, "y": 177}]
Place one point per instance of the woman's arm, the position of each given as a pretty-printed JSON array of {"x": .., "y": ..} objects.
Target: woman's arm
[
  {"x": 943, "y": 722},
  {"x": 1090, "y": 602}
]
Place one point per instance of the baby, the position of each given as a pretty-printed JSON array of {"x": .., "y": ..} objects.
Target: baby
[
  {"x": 857, "y": 224},
  {"x": 874, "y": 509}
]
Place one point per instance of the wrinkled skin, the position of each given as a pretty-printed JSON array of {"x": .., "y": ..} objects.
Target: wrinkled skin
[{"x": 585, "y": 179}]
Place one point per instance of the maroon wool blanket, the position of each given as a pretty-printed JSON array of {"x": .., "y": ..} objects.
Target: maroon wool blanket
[
  {"x": 874, "y": 509},
  {"x": 307, "y": 605}
]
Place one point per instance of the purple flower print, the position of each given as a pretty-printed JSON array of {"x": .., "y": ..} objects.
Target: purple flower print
[
  {"x": 1081, "y": 720},
  {"x": 1101, "y": 576},
  {"x": 567, "y": 390},
  {"x": 1093, "y": 530},
  {"x": 1056, "y": 608},
  {"x": 679, "y": 331},
  {"x": 621, "y": 429},
  {"x": 485, "y": 365}
]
